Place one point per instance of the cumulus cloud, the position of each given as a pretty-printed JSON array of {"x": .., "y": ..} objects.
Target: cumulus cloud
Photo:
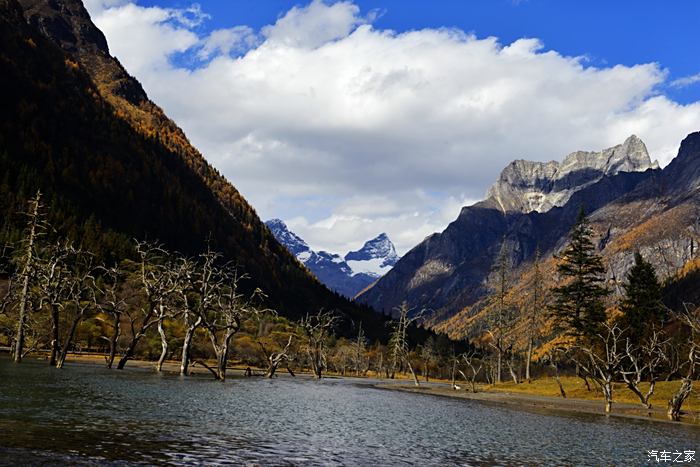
[{"x": 346, "y": 130}]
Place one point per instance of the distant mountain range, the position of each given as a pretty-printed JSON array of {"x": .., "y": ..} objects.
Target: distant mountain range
[
  {"x": 347, "y": 275},
  {"x": 632, "y": 205}
]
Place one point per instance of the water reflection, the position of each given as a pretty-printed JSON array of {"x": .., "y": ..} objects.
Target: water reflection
[{"x": 89, "y": 415}]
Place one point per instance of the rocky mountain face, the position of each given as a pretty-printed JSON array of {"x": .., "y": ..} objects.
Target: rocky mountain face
[
  {"x": 654, "y": 211},
  {"x": 113, "y": 167},
  {"x": 526, "y": 186},
  {"x": 349, "y": 275}
]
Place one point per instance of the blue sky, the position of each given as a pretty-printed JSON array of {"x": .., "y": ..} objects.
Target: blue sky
[
  {"x": 348, "y": 119},
  {"x": 607, "y": 32}
]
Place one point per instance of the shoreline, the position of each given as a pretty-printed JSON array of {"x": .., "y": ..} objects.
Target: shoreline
[
  {"x": 516, "y": 401},
  {"x": 546, "y": 404}
]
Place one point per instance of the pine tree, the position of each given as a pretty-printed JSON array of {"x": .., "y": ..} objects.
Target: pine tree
[
  {"x": 641, "y": 307},
  {"x": 579, "y": 301}
]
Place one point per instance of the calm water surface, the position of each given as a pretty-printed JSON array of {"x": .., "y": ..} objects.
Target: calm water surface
[{"x": 88, "y": 415}]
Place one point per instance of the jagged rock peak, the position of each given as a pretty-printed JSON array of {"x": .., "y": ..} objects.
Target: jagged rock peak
[
  {"x": 526, "y": 186},
  {"x": 286, "y": 237}
]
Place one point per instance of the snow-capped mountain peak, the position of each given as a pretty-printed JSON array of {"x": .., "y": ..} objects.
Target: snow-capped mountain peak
[
  {"x": 347, "y": 276},
  {"x": 376, "y": 257}
]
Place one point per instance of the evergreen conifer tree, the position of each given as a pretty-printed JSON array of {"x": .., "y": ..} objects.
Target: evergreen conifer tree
[
  {"x": 641, "y": 307},
  {"x": 579, "y": 301}
]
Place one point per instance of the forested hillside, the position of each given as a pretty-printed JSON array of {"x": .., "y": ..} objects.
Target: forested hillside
[{"x": 112, "y": 167}]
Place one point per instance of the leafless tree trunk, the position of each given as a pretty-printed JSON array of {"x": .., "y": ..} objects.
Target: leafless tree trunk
[
  {"x": 528, "y": 359},
  {"x": 469, "y": 359},
  {"x": 81, "y": 293},
  {"x": 227, "y": 310},
  {"x": 274, "y": 359},
  {"x": 601, "y": 361},
  {"x": 691, "y": 318},
  {"x": 316, "y": 329},
  {"x": 553, "y": 359},
  {"x": 645, "y": 359},
  {"x": 34, "y": 225},
  {"x": 398, "y": 342},
  {"x": 163, "y": 344},
  {"x": 187, "y": 344},
  {"x": 156, "y": 282}
]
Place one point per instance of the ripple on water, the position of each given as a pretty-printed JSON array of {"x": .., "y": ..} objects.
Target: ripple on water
[{"x": 87, "y": 415}]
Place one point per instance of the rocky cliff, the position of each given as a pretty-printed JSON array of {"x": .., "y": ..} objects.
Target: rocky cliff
[{"x": 526, "y": 186}]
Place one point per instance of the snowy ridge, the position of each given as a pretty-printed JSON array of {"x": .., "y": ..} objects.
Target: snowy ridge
[{"x": 347, "y": 275}]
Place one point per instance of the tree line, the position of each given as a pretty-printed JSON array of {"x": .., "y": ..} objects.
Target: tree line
[{"x": 162, "y": 305}]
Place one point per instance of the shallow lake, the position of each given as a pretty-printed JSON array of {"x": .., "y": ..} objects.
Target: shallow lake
[{"x": 88, "y": 415}]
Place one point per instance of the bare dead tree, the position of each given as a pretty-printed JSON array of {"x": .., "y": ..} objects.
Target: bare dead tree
[
  {"x": 53, "y": 281},
  {"x": 197, "y": 292},
  {"x": 230, "y": 308},
  {"x": 511, "y": 355},
  {"x": 690, "y": 316},
  {"x": 399, "y": 350},
  {"x": 427, "y": 354},
  {"x": 317, "y": 329},
  {"x": 155, "y": 283},
  {"x": 644, "y": 360},
  {"x": 470, "y": 358},
  {"x": 360, "y": 349},
  {"x": 275, "y": 359},
  {"x": 27, "y": 263},
  {"x": 112, "y": 303},
  {"x": 601, "y": 359},
  {"x": 81, "y": 297},
  {"x": 553, "y": 358}
]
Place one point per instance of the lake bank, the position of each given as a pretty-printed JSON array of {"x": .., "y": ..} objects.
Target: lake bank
[
  {"x": 547, "y": 403},
  {"x": 503, "y": 394}
]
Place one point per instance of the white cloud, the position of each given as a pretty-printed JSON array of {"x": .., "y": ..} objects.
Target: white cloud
[
  {"x": 347, "y": 131},
  {"x": 685, "y": 81},
  {"x": 226, "y": 41}
]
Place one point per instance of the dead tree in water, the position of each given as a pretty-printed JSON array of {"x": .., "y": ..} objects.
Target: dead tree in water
[
  {"x": 53, "y": 276},
  {"x": 27, "y": 263},
  {"x": 275, "y": 359},
  {"x": 196, "y": 292},
  {"x": 398, "y": 342},
  {"x": 230, "y": 308},
  {"x": 316, "y": 329},
  {"x": 113, "y": 304},
  {"x": 155, "y": 283},
  {"x": 81, "y": 297}
]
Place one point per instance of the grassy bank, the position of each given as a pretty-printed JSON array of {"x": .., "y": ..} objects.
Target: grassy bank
[{"x": 543, "y": 394}]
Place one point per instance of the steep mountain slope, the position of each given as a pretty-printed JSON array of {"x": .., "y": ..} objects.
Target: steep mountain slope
[
  {"x": 112, "y": 167},
  {"x": 449, "y": 271},
  {"x": 348, "y": 276}
]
